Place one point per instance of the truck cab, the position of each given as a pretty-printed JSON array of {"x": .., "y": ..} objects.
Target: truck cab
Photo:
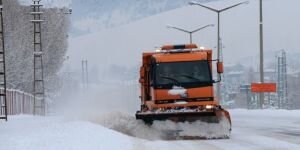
[{"x": 177, "y": 84}]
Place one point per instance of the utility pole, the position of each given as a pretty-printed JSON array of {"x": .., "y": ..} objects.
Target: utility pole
[
  {"x": 261, "y": 64},
  {"x": 282, "y": 95},
  {"x": 87, "y": 74},
  {"x": 38, "y": 75},
  {"x": 85, "y": 79},
  {"x": 3, "y": 100}
]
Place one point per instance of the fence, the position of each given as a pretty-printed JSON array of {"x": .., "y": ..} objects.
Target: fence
[{"x": 18, "y": 102}]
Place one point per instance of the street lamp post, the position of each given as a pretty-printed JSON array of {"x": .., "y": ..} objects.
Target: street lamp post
[
  {"x": 190, "y": 32},
  {"x": 218, "y": 11},
  {"x": 261, "y": 51}
]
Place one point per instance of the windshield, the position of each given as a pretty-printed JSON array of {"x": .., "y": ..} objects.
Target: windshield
[{"x": 185, "y": 74}]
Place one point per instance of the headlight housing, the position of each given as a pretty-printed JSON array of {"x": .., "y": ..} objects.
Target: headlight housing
[{"x": 209, "y": 106}]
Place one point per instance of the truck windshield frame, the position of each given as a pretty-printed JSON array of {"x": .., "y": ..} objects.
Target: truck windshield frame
[{"x": 187, "y": 74}]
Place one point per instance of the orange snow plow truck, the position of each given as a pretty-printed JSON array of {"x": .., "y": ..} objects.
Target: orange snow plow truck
[{"x": 177, "y": 84}]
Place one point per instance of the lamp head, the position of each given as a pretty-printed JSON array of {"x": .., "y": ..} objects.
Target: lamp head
[
  {"x": 193, "y": 3},
  {"x": 246, "y": 2},
  {"x": 169, "y": 26}
]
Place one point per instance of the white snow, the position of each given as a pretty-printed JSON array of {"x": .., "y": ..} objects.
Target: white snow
[
  {"x": 252, "y": 129},
  {"x": 176, "y": 90},
  {"x": 106, "y": 120},
  {"x": 127, "y": 124},
  {"x": 54, "y": 133}
]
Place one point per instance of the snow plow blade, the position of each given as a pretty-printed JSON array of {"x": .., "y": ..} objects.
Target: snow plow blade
[
  {"x": 202, "y": 121},
  {"x": 208, "y": 116}
]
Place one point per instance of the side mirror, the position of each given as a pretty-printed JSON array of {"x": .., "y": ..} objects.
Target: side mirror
[
  {"x": 220, "y": 68},
  {"x": 141, "y": 80}
]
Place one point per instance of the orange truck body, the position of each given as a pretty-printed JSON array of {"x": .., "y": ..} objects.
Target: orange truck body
[{"x": 198, "y": 98}]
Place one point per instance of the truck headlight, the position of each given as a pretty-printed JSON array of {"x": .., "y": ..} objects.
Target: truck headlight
[{"x": 209, "y": 106}]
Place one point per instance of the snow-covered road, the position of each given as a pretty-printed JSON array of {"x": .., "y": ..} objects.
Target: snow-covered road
[
  {"x": 264, "y": 129},
  {"x": 252, "y": 129}
]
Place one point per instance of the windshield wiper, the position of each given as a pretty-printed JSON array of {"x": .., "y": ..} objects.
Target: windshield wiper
[
  {"x": 190, "y": 77},
  {"x": 172, "y": 79}
]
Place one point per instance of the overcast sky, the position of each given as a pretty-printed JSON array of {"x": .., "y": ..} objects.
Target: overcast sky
[{"x": 124, "y": 45}]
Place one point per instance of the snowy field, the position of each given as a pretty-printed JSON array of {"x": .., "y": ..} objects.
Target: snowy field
[{"x": 252, "y": 129}]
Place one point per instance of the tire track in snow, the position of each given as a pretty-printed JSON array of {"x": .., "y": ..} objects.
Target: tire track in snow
[{"x": 257, "y": 140}]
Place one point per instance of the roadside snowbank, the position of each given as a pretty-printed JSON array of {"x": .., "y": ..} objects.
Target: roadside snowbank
[{"x": 51, "y": 133}]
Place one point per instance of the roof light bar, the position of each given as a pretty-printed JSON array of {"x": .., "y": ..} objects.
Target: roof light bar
[{"x": 172, "y": 47}]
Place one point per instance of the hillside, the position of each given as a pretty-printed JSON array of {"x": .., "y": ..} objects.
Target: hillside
[{"x": 239, "y": 33}]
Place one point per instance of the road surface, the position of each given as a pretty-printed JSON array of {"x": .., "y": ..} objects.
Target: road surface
[{"x": 252, "y": 129}]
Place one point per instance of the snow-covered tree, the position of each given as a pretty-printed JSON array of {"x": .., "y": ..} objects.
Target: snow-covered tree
[{"x": 18, "y": 32}]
